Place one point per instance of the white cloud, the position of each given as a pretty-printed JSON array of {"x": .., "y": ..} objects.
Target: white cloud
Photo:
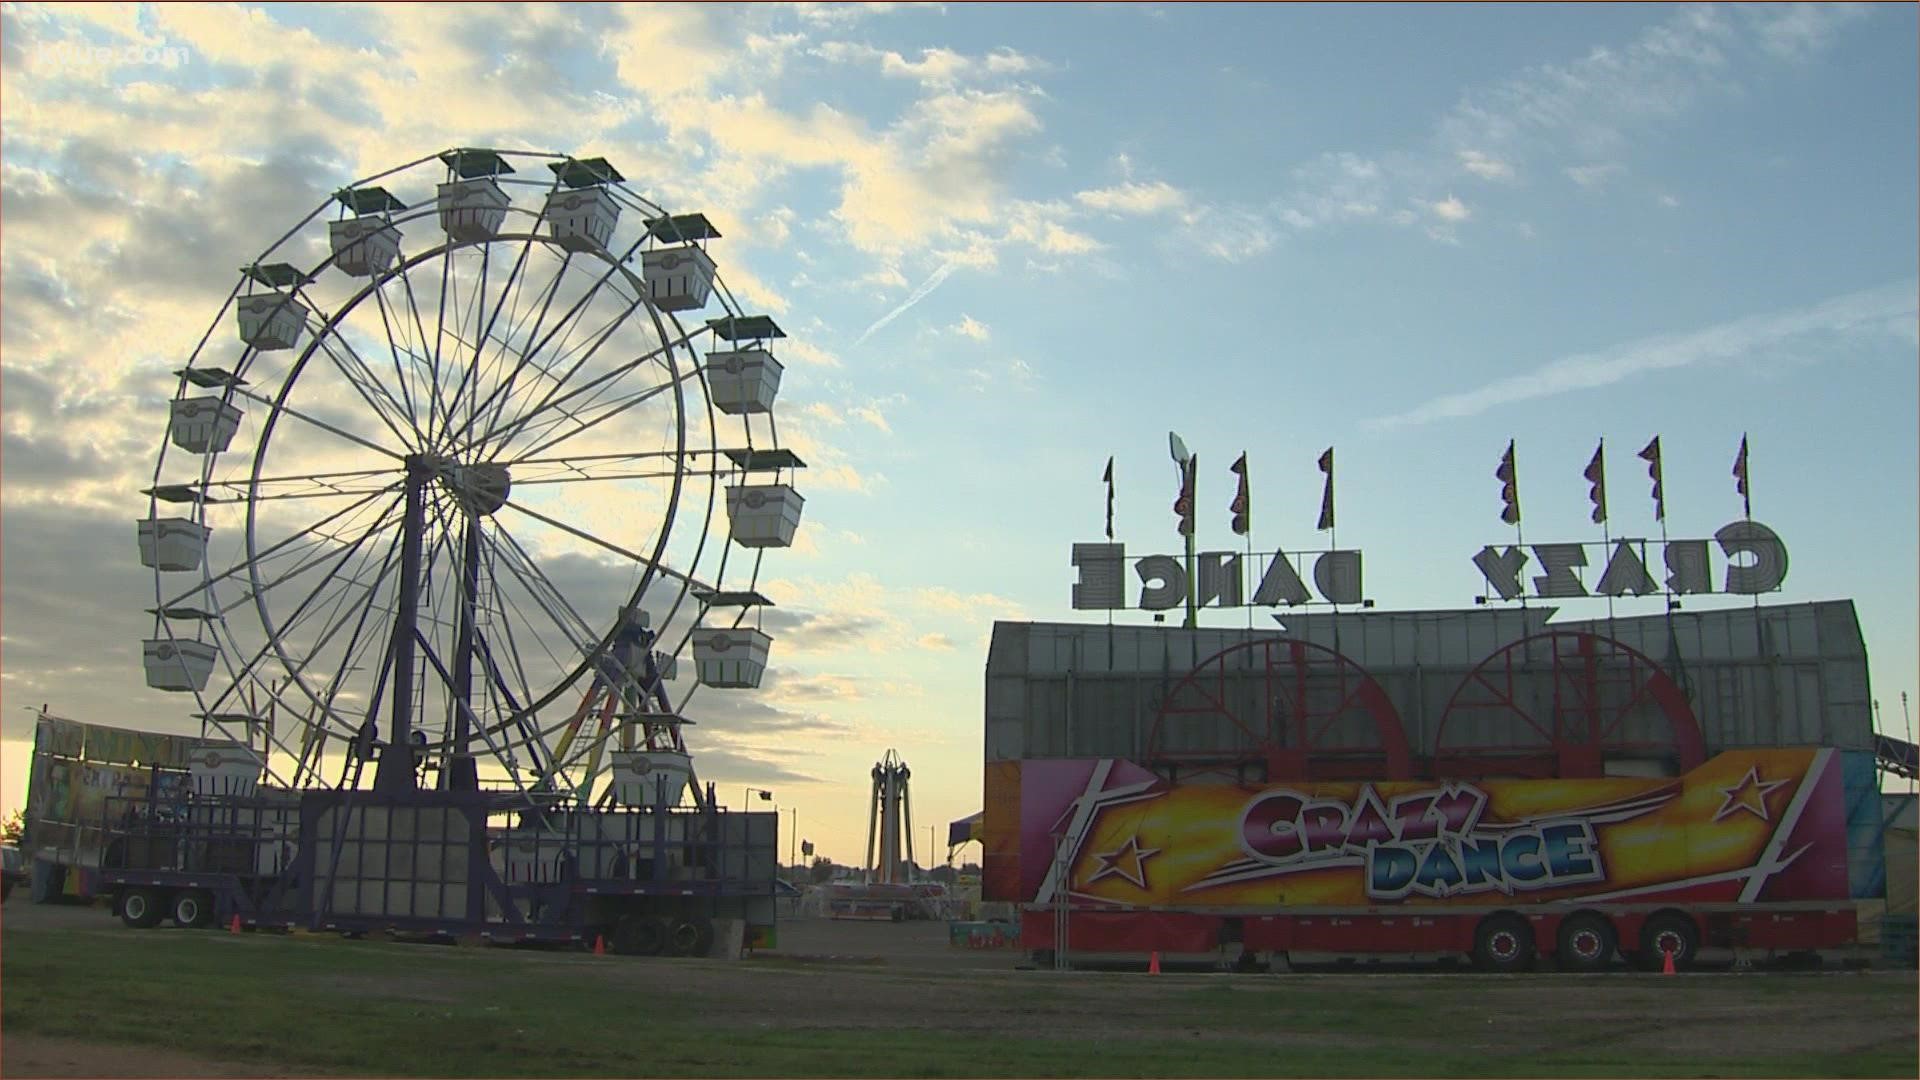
[
  {"x": 1669, "y": 201},
  {"x": 968, "y": 326},
  {"x": 872, "y": 417},
  {"x": 1485, "y": 166},
  {"x": 1873, "y": 312},
  {"x": 1595, "y": 175},
  {"x": 1449, "y": 209},
  {"x": 1133, "y": 198}
]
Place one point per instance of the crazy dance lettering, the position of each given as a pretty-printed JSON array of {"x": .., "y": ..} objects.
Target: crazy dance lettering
[{"x": 1430, "y": 843}]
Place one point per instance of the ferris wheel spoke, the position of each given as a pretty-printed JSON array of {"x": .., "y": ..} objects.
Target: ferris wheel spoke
[
  {"x": 550, "y": 402},
  {"x": 508, "y": 291},
  {"x": 207, "y": 585},
  {"x": 423, "y": 350},
  {"x": 276, "y": 640},
  {"x": 358, "y": 642},
  {"x": 394, "y": 350},
  {"x": 651, "y": 567},
  {"x": 567, "y": 321},
  {"x": 288, "y": 410},
  {"x": 354, "y": 369},
  {"x": 610, "y": 410},
  {"x": 310, "y": 486}
]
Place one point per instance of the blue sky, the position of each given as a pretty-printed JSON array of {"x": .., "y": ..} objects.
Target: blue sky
[{"x": 1011, "y": 240}]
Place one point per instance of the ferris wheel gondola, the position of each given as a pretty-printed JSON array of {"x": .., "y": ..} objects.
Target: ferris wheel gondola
[{"x": 442, "y": 485}]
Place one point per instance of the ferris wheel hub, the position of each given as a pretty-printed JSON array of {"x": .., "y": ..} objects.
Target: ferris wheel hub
[{"x": 481, "y": 488}]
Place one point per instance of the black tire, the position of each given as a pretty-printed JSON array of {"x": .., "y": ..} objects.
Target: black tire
[
  {"x": 193, "y": 909},
  {"x": 1503, "y": 943},
  {"x": 141, "y": 908},
  {"x": 637, "y": 935},
  {"x": 1587, "y": 941},
  {"x": 683, "y": 938},
  {"x": 703, "y": 942},
  {"x": 1668, "y": 931}
]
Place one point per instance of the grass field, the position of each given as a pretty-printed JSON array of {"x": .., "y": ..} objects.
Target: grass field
[{"x": 325, "y": 1005}]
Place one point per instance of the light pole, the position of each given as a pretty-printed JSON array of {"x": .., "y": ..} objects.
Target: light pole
[{"x": 793, "y": 841}]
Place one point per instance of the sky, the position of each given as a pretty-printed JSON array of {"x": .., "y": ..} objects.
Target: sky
[{"x": 1011, "y": 241}]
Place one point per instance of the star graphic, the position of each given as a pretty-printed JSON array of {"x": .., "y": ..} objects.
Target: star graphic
[
  {"x": 1749, "y": 794},
  {"x": 1127, "y": 863}
]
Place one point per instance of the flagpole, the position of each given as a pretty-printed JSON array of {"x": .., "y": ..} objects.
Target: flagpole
[
  {"x": 1193, "y": 470},
  {"x": 1742, "y": 470}
]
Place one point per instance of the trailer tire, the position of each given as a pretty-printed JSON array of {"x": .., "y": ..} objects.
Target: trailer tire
[
  {"x": 1668, "y": 932},
  {"x": 1503, "y": 943},
  {"x": 637, "y": 935},
  {"x": 703, "y": 942},
  {"x": 140, "y": 908},
  {"x": 193, "y": 909},
  {"x": 1586, "y": 942},
  {"x": 683, "y": 938}
]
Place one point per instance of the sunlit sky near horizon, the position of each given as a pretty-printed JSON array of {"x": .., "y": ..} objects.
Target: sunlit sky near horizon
[{"x": 1010, "y": 241}]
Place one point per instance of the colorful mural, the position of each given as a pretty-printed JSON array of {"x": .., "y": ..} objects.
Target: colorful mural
[{"x": 1755, "y": 825}]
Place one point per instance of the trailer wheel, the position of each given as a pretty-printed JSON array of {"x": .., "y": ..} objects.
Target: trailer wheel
[
  {"x": 192, "y": 909},
  {"x": 1503, "y": 943},
  {"x": 140, "y": 908},
  {"x": 1668, "y": 932},
  {"x": 683, "y": 938},
  {"x": 1587, "y": 941},
  {"x": 703, "y": 941},
  {"x": 637, "y": 935}
]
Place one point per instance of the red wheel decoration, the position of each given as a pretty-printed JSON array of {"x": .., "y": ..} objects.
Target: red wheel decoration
[
  {"x": 1302, "y": 710},
  {"x": 1557, "y": 705}
]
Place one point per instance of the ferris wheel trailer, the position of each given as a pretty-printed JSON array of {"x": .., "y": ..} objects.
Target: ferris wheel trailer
[{"x": 469, "y": 865}]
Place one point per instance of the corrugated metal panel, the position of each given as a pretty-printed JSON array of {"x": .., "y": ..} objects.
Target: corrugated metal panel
[{"x": 1767, "y": 676}]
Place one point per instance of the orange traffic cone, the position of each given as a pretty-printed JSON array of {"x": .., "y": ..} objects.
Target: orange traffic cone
[
  {"x": 1153, "y": 962},
  {"x": 1666, "y": 961},
  {"x": 599, "y": 945},
  {"x": 234, "y": 926}
]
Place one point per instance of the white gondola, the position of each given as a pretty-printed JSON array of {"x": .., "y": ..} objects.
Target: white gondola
[
  {"x": 763, "y": 515},
  {"x": 581, "y": 219},
  {"x": 172, "y": 543},
  {"x": 363, "y": 246},
  {"x": 650, "y": 777},
  {"x": 731, "y": 658},
  {"x": 223, "y": 767},
  {"x": 270, "y": 320},
  {"x": 203, "y": 424},
  {"x": 178, "y": 665},
  {"x": 743, "y": 380},
  {"x": 677, "y": 278},
  {"x": 473, "y": 210}
]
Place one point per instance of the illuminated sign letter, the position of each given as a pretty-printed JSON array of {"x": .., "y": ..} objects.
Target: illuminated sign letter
[
  {"x": 1687, "y": 567},
  {"x": 1337, "y": 573},
  {"x": 1625, "y": 573},
  {"x": 1281, "y": 585},
  {"x": 1769, "y": 566},
  {"x": 1558, "y": 560},
  {"x": 1502, "y": 570},
  {"x": 1219, "y": 574},
  {"x": 1163, "y": 582},
  {"x": 1101, "y": 568}
]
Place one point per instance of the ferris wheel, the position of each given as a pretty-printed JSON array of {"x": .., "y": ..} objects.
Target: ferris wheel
[{"x": 444, "y": 483}]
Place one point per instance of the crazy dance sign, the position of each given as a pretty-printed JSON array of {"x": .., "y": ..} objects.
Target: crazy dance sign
[{"x": 1746, "y": 825}]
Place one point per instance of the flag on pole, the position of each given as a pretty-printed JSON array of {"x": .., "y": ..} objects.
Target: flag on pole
[
  {"x": 1108, "y": 477},
  {"x": 1509, "y": 478},
  {"x": 1651, "y": 455},
  {"x": 1326, "y": 495},
  {"x": 1740, "y": 477},
  {"x": 1242, "y": 519},
  {"x": 1183, "y": 503},
  {"x": 1597, "y": 477}
]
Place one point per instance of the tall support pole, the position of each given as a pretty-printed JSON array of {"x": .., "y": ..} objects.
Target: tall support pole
[
  {"x": 395, "y": 773},
  {"x": 461, "y": 773}
]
